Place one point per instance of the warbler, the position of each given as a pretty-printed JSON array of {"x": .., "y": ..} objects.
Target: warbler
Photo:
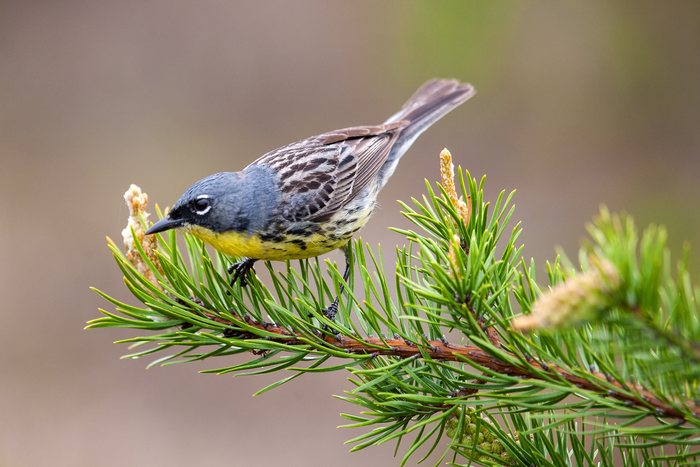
[{"x": 309, "y": 197}]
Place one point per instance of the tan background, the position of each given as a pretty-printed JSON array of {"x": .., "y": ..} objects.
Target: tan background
[{"x": 578, "y": 104}]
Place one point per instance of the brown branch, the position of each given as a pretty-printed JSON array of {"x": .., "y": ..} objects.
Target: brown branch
[
  {"x": 490, "y": 331},
  {"x": 445, "y": 351}
]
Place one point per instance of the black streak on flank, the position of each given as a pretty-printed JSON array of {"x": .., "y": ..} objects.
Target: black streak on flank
[
  {"x": 272, "y": 237},
  {"x": 300, "y": 243},
  {"x": 304, "y": 231},
  {"x": 347, "y": 220}
]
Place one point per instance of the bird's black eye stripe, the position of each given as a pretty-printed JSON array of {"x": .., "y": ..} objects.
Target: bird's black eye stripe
[{"x": 202, "y": 205}]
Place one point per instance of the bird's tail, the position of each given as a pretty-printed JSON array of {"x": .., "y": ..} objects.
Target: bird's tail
[{"x": 429, "y": 104}]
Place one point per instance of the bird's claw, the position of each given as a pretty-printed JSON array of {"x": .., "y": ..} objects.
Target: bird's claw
[
  {"x": 331, "y": 313},
  {"x": 240, "y": 271}
]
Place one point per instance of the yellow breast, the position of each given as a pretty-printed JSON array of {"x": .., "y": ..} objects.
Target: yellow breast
[
  {"x": 282, "y": 245},
  {"x": 251, "y": 246}
]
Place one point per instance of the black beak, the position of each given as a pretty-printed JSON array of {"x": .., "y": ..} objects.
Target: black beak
[{"x": 164, "y": 224}]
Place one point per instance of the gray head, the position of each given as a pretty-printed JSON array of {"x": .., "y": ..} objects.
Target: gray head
[{"x": 223, "y": 202}]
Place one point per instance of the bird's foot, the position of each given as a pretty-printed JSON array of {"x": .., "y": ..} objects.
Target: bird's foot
[
  {"x": 240, "y": 271},
  {"x": 330, "y": 313}
]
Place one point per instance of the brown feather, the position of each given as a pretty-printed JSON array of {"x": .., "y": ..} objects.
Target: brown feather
[{"x": 321, "y": 174}]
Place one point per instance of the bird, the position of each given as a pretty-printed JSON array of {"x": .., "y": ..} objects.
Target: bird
[{"x": 310, "y": 197}]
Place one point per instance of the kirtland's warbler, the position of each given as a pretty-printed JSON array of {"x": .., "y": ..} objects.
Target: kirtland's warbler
[{"x": 309, "y": 197}]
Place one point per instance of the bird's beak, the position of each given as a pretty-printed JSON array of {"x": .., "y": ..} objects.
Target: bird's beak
[{"x": 164, "y": 224}]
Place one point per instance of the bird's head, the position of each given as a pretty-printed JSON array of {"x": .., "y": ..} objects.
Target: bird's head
[{"x": 217, "y": 204}]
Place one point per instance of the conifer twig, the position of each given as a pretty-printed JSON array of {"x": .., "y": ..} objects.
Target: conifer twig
[
  {"x": 620, "y": 336},
  {"x": 446, "y": 351}
]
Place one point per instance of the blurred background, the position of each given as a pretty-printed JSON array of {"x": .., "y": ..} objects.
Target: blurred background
[{"x": 578, "y": 104}]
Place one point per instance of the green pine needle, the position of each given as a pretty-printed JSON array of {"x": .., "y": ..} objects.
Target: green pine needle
[{"x": 633, "y": 342}]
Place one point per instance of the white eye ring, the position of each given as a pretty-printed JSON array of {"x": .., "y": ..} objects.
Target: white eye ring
[{"x": 202, "y": 208}]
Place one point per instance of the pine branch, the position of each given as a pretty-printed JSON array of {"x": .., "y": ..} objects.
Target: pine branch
[
  {"x": 627, "y": 392},
  {"x": 619, "y": 337}
]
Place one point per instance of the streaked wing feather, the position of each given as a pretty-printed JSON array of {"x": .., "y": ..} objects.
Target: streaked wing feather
[
  {"x": 371, "y": 153},
  {"x": 355, "y": 132},
  {"x": 369, "y": 146},
  {"x": 319, "y": 175}
]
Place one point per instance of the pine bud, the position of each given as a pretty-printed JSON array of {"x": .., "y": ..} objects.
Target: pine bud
[
  {"x": 581, "y": 298},
  {"x": 447, "y": 174},
  {"x": 136, "y": 201},
  {"x": 452, "y": 256}
]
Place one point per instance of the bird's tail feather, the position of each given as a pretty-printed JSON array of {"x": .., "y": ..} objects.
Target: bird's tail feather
[{"x": 430, "y": 103}]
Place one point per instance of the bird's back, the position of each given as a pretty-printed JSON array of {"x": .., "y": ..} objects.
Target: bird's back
[{"x": 328, "y": 184}]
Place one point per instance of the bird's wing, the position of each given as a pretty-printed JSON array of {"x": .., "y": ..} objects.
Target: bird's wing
[{"x": 319, "y": 175}]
